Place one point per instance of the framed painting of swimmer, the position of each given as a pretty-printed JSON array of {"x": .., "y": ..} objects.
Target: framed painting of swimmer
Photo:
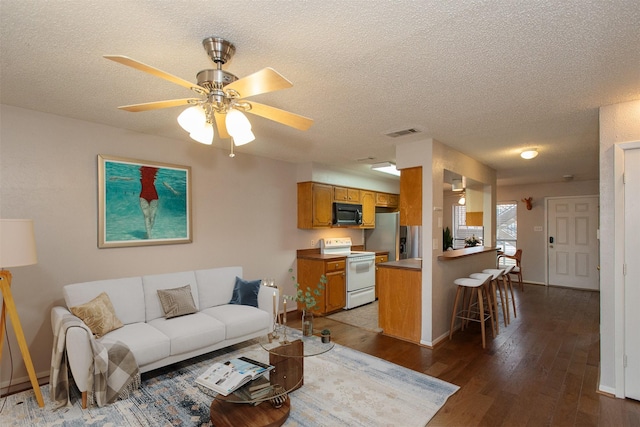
[{"x": 142, "y": 203}]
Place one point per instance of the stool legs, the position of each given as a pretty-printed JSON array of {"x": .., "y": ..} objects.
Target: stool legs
[{"x": 481, "y": 293}]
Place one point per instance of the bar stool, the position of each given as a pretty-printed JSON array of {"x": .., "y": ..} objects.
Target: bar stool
[
  {"x": 497, "y": 279},
  {"x": 468, "y": 313},
  {"x": 509, "y": 284}
]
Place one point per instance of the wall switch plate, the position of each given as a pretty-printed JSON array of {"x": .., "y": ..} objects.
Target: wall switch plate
[
  {"x": 313, "y": 243},
  {"x": 537, "y": 228},
  {"x": 436, "y": 244},
  {"x": 439, "y": 222}
]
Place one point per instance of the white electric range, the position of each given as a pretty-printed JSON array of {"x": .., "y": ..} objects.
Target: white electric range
[{"x": 360, "y": 270}]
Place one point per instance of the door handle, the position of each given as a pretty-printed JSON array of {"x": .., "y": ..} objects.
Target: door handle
[{"x": 550, "y": 239}]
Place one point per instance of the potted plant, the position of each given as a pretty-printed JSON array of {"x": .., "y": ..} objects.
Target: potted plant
[
  {"x": 308, "y": 298},
  {"x": 325, "y": 335},
  {"x": 471, "y": 241},
  {"x": 447, "y": 239}
]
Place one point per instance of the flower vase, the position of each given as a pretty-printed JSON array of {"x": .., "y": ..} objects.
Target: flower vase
[{"x": 307, "y": 323}]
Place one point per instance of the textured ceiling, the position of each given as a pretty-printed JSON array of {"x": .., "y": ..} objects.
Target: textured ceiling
[{"x": 486, "y": 78}]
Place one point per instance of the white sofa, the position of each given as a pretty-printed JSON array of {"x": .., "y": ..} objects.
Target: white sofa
[{"x": 156, "y": 341}]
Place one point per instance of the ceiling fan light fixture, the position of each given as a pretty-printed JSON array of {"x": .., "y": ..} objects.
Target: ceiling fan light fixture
[
  {"x": 192, "y": 119},
  {"x": 204, "y": 135},
  {"x": 462, "y": 200},
  {"x": 386, "y": 167},
  {"x": 529, "y": 154},
  {"x": 239, "y": 127},
  {"x": 243, "y": 138}
]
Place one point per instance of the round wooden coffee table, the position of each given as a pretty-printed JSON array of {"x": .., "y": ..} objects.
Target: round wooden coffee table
[{"x": 229, "y": 414}]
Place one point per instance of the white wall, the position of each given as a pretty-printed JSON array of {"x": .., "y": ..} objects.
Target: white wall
[
  {"x": 244, "y": 213},
  {"x": 438, "y": 291},
  {"x": 533, "y": 243},
  {"x": 618, "y": 123}
]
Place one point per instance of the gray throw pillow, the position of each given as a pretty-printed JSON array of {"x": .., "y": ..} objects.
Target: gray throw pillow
[
  {"x": 245, "y": 292},
  {"x": 177, "y": 301}
]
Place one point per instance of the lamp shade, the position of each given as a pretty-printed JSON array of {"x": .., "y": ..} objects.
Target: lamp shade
[
  {"x": 192, "y": 119},
  {"x": 239, "y": 127},
  {"x": 17, "y": 243},
  {"x": 204, "y": 135}
]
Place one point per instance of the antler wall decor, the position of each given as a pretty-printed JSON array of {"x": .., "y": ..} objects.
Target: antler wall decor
[{"x": 528, "y": 202}]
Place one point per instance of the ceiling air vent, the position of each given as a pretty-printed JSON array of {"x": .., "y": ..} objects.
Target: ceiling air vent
[{"x": 403, "y": 132}]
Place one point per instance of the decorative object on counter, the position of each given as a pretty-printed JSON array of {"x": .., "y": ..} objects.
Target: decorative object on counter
[
  {"x": 308, "y": 298},
  {"x": 325, "y": 335},
  {"x": 447, "y": 239},
  {"x": 472, "y": 241}
]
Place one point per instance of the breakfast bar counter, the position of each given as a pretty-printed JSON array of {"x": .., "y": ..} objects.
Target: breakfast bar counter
[
  {"x": 464, "y": 252},
  {"x": 399, "y": 286}
]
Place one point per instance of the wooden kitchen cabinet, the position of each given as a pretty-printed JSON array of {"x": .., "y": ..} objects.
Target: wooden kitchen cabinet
[
  {"x": 334, "y": 296},
  {"x": 400, "y": 302},
  {"x": 345, "y": 194},
  {"x": 379, "y": 259},
  {"x": 315, "y": 203},
  {"x": 368, "y": 200},
  {"x": 411, "y": 196},
  {"x": 386, "y": 200}
]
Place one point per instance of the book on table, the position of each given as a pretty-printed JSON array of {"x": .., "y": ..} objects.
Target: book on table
[{"x": 229, "y": 376}]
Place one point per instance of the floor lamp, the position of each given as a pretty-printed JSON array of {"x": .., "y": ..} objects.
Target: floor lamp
[{"x": 17, "y": 248}]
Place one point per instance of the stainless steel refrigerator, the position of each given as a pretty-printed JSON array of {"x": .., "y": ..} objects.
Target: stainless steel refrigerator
[{"x": 401, "y": 241}]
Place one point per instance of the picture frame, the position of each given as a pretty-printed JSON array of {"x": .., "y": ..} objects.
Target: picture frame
[{"x": 142, "y": 203}]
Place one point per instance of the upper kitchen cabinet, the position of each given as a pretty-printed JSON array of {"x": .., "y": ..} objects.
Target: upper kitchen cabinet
[
  {"x": 411, "y": 196},
  {"x": 368, "y": 200},
  {"x": 314, "y": 205},
  {"x": 346, "y": 195},
  {"x": 386, "y": 200}
]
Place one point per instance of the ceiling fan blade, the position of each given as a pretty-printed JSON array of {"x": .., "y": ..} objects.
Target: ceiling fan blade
[
  {"x": 277, "y": 115},
  {"x": 263, "y": 81},
  {"x": 221, "y": 124},
  {"x": 134, "y": 108},
  {"x": 125, "y": 60}
]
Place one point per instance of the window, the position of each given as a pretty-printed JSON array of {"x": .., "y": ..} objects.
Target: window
[
  {"x": 507, "y": 226},
  {"x": 460, "y": 229}
]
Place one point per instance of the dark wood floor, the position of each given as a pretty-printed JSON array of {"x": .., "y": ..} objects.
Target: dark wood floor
[{"x": 540, "y": 370}]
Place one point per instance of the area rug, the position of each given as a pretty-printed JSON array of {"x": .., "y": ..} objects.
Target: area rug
[
  {"x": 342, "y": 387},
  {"x": 365, "y": 317}
]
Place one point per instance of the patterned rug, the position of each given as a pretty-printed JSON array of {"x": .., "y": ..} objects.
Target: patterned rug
[
  {"x": 342, "y": 387},
  {"x": 365, "y": 317}
]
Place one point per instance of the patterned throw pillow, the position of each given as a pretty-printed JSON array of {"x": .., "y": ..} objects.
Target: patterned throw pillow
[
  {"x": 98, "y": 314},
  {"x": 245, "y": 292},
  {"x": 177, "y": 301}
]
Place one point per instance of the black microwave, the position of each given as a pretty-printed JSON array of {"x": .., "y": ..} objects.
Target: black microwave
[{"x": 347, "y": 214}]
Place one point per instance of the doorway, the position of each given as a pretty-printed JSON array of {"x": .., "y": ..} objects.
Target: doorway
[{"x": 572, "y": 242}]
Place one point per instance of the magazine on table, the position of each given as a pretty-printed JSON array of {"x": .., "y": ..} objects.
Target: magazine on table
[{"x": 226, "y": 377}]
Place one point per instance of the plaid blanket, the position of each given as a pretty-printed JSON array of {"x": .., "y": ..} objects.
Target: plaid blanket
[{"x": 114, "y": 371}]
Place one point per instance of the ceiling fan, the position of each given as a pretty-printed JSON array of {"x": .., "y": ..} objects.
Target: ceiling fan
[{"x": 221, "y": 97}]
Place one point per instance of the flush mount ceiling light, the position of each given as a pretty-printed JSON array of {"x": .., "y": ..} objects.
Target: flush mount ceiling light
[
  {"x": 529, "y": 154},
  {"x": 221, "y": 101},
  {"x": 386, "y": 167}
]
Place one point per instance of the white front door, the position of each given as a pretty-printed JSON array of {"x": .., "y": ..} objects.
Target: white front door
[
  {"x": 632, "y": 267},
  {"x": 572, "y": 241}
]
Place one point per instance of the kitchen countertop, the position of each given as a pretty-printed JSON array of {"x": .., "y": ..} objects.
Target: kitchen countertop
[
  {"x": 403, "y": 264},
  {"x": 460, "y": 253}
]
